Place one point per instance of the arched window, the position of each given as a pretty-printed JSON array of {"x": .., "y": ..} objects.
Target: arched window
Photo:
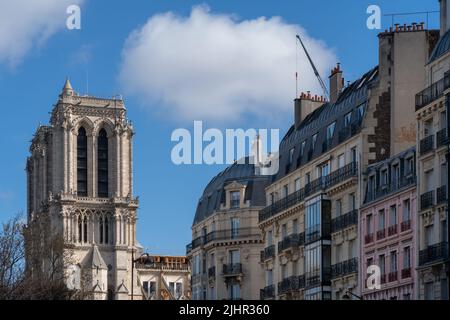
[
  {"x": 85, "y": 233},
  {"x": 102, "y": 163},
  {"x": 82, "y": 162},
  {"x": 80, "y": 228},
  {"x": 101, "y": 229},
  {"x": 106, "y": 229}
]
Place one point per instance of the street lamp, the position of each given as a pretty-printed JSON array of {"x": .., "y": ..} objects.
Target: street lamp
[{"x": 347, "y": 294}]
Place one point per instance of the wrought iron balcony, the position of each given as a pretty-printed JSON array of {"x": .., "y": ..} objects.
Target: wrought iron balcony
[
  {"x": 433, "y": 92},
  {"x": 368, "y": 238},
  {"x": 267, "y": 293},
  {"x": 406, "y": 273},
  {"x": 387, "y": 189},
  {"x": 392, "y": 230},
  {"x": 232, "y": 269},
  {"x": 292, "y": 241},
  {"x": 381, "y": 234},
  {"x": 393, "y": 276},
  {"x": 268, "y": 253},
  {"x": 344, "y": 268},
  {"x": 342, "y": 174},
  {"x": 405, "y": 225},
  {"x": 441, "y": 194},
  {"x": 441, "y": 138},
  {"x": 426, "y": 144},
  {"x": 427, "y": 200},
  {"x": 288, "y": 285},
  {"x": 433, "y": 253},
  {"x": 212, "y": 272},
  {"x": 344, "y": 221}
]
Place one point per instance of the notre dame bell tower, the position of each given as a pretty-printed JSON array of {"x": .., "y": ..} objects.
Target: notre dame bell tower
[{"x": 80, "y": 186}]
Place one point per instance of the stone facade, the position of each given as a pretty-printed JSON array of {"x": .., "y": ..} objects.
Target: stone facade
[{"x": 80, "y": 181}]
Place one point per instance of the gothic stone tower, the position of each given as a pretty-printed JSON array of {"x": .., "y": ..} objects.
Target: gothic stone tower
[{"x": 80, "y": 186}]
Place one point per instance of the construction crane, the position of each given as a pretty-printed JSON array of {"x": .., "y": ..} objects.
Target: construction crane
[{"x": 322, "y": 84}]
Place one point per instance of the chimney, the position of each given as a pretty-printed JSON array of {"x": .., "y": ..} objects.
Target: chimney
[
  {"x": 336, "y": 83},
  {"x": 444, "y": 7},
  {"x": 304, "y": 105}
]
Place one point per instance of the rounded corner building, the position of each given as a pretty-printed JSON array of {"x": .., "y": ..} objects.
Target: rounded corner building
[{"x": 226, "y": 240}]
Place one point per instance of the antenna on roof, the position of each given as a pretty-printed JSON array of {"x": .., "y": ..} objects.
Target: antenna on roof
[{"x": 296, "y": 69}]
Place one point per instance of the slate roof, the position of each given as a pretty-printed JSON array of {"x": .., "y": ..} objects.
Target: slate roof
[
  {"x": 352, "y": 97},
  {"x": 442, "y": 47},
  {"x": 214, "y": 194}
]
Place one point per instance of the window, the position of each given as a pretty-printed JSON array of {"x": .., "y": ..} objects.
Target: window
[
  {"x": 406, "y": 258},
  {"x": 384, "y": 177},
  {"x": 410, "y": 166},
  {"x": 302, "y": 148},
  {"x": 371, "y": 187},
  {"x": 235, "y": 199},
  {"x": 235, "y": 256},
  {"x": 352, "y": 249},
  {"x": 330, "y": 131},
  {"x": 272, "y": 198},
  {"x": 234, "y": 227},
  {"x": 393, "y": 216},
  {"x": 360, "y": 112},
  {"x": 295, "y": 268},
  {"x": 369, "y": 224},
  {"x": 291, "y": 155},
  {"x": 338, "y": 253},
  {"x": 381, "y": 220},
  {"x": 172, "y": 288},
  {"x": 406, "y": 210},
  {"x": 269, "y": 277},
  {"x": 104, "y": 229},
  {"x": 283, "y": 230},
  {"x": 347, "y": 119},
  {"x": 235, "y": 291},
  {"x": 295, "y": 226},
  {"x": 283, "y": 271},
  {"x": 285, "y": 191},
  {"x": 395, "y": 175},
  {"x": 269, "y": 238},
  {"x": 178, "y": 290},
  {"x": 307, "y": 178},
  {"x": 444, "y": 289},
  {"x": 429, "y": 291},
  {"x": 314, "y": 140},
  {"x": 429, "y": 235},
  {"x": 297, "y": 184},
  {"x": 444, "y": 231},
  {"x": 393, "y": 261},
  {"x": 382, "y": 264},
  {"x": 353, "y": 154},
  {"x": 82, "y": 163},
  {"x": 338, "y": 204},
  {"x": 102, "y": 164},
  {"x": 352, "y": 201},
  {"x": 85, "y": 232},
  {"x": 341, "y": 160},
  {"x": 325, "y": 169}
]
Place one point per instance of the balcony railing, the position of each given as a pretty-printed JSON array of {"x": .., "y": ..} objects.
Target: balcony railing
[
  {"x": 433, "y": 92},
  {"x": 288, "y": 285},
  {"x": 344, "y": 221},
  {"x": 291, "y": 241},
  {"x": 405, "y": 225},
  {"x": 406, "y": 273},
  {"x": 344, "y": 268},
  {"x": 268, "y": 253},
  {"x": 441, "y": 194},
  {"x": 212, "y": 272},
  {"x": 426, "y": 144},
  {"x": 368, "y": 238},
  {"x": 427, "y": 200},
  {"x": 232, "y": 269},
  {"x": 381, "y": 234},
  {"x": 393, "y": 276},
  {"x": 322, "y": 183},
  {"x": 267, "y": 293},
  {"x": 393, "y": 186},
  {"x": 433, "y": 253},
  {"x": 227, "y": 234},
  {"x": 441, "y": 138},
  {"x": 392, "y": 230}
]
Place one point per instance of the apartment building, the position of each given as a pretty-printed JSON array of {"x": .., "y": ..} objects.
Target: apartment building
[
  {"x": 432, "y": 147},
  {"x": 226, "y": 245},
  {"x": 311, "y": 222},
  {"x": 163, "y": 277},
  {"x": 388, "y": 224}
]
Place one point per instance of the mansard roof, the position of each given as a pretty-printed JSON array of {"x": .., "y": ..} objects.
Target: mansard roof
[
  {"x": 214, "y": 194},
  {"x": 352, "y": 97},
  {"x": 442, "y": 47}
]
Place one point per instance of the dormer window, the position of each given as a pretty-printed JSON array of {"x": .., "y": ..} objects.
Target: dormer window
[
  {"x": 235, "y": 197},
  {"x": 347, "y": 119},
  {"x": 330, "y": 131},
  {"x": 302, "y": 148},
  {"x": 291, "y": 155},
  {"x": 384, "y": 177},
  {"x": 313, "y": 143}
]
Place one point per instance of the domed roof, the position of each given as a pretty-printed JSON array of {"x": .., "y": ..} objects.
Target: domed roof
[
  {"x": 442, "y": 47},
  {"x": 214, "y": 194}
]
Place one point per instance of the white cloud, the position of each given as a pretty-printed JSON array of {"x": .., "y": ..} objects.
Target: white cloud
[
  {"x": 27, "y": 24},
  {"x": 215, "y": 67}
]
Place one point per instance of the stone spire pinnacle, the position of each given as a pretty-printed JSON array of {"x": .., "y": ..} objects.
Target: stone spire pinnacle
[{"x": 67, "y": 89}]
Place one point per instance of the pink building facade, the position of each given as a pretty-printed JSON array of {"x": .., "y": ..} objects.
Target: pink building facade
[{"x": 388, "y": 224}]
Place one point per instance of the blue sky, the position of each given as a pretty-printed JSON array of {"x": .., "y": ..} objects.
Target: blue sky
[{"x": 168, "y": 193}]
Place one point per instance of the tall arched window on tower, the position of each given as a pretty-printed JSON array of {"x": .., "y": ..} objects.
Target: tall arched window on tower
[
  {"x": 102, "y": 164},
  {"x": 82, "y": 162}
]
